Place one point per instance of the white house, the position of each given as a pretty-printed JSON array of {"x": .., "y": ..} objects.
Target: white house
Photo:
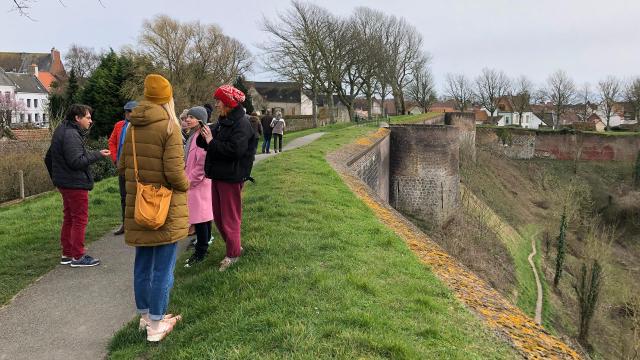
[
  {"x": 34, "y": 97},
  {"x": 506, "y": 116},
  {"x": 29, "y": 91},
  {"x": 620, "y": 115},
  {"x": 286, "y": 97}
]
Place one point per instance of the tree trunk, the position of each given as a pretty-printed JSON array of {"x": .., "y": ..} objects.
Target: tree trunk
[
  {"x": 314, "y": 108},
  {"x": 369, "y": 106},
  {"x": 350, "y": 111},
  {"x": 332, "y": 115}
]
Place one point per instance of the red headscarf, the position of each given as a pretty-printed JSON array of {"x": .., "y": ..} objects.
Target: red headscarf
[{"x": 229, "y": 95}]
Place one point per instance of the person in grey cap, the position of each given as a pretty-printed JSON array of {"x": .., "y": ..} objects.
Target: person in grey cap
[
  {"x": 199, "y": 194},
  {"x": 115, "y": 146}
]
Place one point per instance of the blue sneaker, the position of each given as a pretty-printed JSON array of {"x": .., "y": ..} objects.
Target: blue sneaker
[
  {"x": 65, "y": 260},
  {"x": 85, "y": 261}
]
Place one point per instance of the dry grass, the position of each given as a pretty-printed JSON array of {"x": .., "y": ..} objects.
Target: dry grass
[
  {"x": 533, "y": 192},
  {"x": 28, "y": 157}
]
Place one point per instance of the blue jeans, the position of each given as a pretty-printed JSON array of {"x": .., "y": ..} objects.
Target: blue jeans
[
  {"x": 266, "y": 143},
  {"x": 153, "y": 278}
]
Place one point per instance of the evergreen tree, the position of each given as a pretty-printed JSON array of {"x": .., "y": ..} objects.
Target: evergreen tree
[
  {"x": 561, "y": 248},
  {"x": 587, "y": 290},
  {"x": 72, "y": 91},
  {"x": 248, "y": 102},
  {"x": 103, "y": 93}
]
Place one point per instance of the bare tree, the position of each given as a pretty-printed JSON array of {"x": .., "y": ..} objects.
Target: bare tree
[
  {"x": 521, "y": 98},
  {"x": 403, "y": 50},
  {"x": 83, "y": 60},
  {"x": 560, "y": 90},
  {"x": 195, "y": 57},
  {"x": 539, "y": 96},
  {"x": 338, "y": 51},
  {"x": 585, "y": 97},
  {"x": 369, "y": 26},
  {"x": 23, "y": 7},
  {"x": 422, "y": 87},
  {"x": 632, "y": 95},
  {"x": 292, "y": 50},
  {"x": 491, "y": 85},
  {"x": 458, "y": 88},
  {"x": 609, "y": 91}
]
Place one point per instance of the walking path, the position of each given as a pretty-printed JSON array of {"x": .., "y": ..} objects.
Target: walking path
[
  {"x": 73, "y": 313},
  {"x": 538, "y": 315}
]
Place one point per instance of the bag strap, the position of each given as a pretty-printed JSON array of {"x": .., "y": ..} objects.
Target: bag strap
[{"x": 135, "y": 159}]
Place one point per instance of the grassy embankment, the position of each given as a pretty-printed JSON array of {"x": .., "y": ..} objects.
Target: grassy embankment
[
  {"x": 30, "y": 234},
  {"x": 321, "y": 278},
  {"x": 412, "y": 119},
  {"x": 30, "y": 231},
  {"x": 529, "y": 195}
]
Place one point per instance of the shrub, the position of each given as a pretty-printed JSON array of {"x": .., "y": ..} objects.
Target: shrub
[{"x": 104, "y": 168}]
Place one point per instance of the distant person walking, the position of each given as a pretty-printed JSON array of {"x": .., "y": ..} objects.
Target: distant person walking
[
  {"x": 115, "y": 146},
  {"x": 199, "y": 194},
  {"x": 278, "y": 125},
  {"x": 266, "y": 132},
  {"x": 160, "y": 161},
  {"x": 230, "y": 145},
  {"x": 68, "y": 163},
  {"x": 257, "y": 127}
]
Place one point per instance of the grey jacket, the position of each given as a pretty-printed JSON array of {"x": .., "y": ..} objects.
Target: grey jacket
[{"x": 278, "y": 126}]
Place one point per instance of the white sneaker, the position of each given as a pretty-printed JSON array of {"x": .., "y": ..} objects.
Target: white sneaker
[{"x": 227, "y": 262}]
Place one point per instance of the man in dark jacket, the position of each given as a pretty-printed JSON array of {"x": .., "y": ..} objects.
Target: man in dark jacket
[
  {"x": 68, "y": 163},
  {"x": 230, "y": 144},
  {"x": 266, "y": 131}
]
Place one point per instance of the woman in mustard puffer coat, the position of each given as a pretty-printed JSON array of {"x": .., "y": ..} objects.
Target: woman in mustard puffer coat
[{"x": 160, "y": 155}]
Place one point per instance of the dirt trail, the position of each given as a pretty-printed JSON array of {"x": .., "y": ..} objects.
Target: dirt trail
[{"x": 538, "y": 315}]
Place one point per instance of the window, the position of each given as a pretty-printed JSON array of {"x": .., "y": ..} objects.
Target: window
[
  {"x": 29, "y": 117},
  {"x": 526, "y": 119},
  {"x": 29, "y": 103},
  {"x": 21, "y": 117},
  {"x": 35, "y": 103},
  {"x": 37, "y": 118},
  {"x": 44, "y": 118}
]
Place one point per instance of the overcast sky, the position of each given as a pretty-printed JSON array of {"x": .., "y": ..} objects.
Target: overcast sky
[{"x": 589, "y": 39}]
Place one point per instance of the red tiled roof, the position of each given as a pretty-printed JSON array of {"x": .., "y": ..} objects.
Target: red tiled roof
[{"x": 46, "y": 78}]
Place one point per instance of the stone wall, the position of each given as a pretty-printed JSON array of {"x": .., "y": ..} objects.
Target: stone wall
[
  {"x": 513, "y": 143},
  {"x": 527, "y": 144},
  {"x": 424, "y": 172},
  {"x": 372, "y": 164},
  {"x": 298, "y": 123},
  {"x": 588, "y": 146},
  {"x": 466, "y": 124}
]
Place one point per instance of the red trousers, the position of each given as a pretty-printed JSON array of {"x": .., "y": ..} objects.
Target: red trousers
[
  {"x": 226, "y": 199},
  {"x": 76, "y": 216}
]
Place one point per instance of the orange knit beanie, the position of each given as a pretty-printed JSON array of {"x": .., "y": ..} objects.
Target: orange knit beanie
[{"x": 157, "y": 89}]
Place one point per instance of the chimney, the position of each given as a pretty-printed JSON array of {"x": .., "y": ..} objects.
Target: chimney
[
  {"x": 33, "y": 70},
  {"x": 57, "y": 68}
]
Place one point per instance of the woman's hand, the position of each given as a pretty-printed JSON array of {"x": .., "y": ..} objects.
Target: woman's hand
[{"x": 206, "y": 134}]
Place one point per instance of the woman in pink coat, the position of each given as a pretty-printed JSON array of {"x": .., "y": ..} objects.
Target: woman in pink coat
[{"x": 199, "y": 194}]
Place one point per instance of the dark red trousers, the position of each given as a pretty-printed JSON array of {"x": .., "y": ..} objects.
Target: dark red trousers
[
  {"x": 226, "y": 199},
  {"x": 76, "y": 216}
]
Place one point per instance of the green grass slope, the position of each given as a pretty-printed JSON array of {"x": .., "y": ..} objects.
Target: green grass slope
[{"x": 321, "y": 278}]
